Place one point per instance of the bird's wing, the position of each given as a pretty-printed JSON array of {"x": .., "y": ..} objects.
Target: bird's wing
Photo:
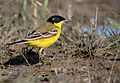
[
  {"x": 46, "y": 27},
  {"x": 46, "y": 30},
  {"x": 43, "y": 29},
  {"x": 40, "y": 36}
]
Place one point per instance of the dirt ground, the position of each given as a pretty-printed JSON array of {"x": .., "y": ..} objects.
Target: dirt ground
[{"x": 77, "y": 57}]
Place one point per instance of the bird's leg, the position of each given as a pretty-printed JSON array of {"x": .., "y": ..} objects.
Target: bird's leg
[
  {"x": 40, "y": 51},
  {"x": 41, "y": 54}
]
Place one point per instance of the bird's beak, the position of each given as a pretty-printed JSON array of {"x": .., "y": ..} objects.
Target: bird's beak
[{"x": 66, "y": 21}]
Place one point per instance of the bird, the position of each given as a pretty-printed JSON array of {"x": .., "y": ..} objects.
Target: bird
[{"x": 45, "y": 35}]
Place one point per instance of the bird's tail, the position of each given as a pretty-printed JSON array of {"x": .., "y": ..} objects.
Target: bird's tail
[{"x": 18, "y": 42}]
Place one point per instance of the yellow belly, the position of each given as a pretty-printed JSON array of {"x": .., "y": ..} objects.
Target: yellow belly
[{"x": 44, "y": 42}]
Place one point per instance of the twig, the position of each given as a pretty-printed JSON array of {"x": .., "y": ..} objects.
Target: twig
[{"x": 111, "y": 71}]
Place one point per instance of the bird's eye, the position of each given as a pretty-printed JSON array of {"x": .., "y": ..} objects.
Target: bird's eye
[{"x": 56, "y": 20}]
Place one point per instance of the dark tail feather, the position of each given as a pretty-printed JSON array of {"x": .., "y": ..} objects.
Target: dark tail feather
[{"x": 18, "y": 42}]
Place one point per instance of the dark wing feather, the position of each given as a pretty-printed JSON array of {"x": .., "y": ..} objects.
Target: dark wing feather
[
  {"x": 46, "y": 35},
  {"x": 47, "y": 30}
]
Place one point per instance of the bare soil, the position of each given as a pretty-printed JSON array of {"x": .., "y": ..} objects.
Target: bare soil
[{"x": 76, "y": 57}]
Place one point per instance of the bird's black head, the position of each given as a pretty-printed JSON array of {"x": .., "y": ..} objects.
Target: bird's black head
[{"x": 55, "y": 19}]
